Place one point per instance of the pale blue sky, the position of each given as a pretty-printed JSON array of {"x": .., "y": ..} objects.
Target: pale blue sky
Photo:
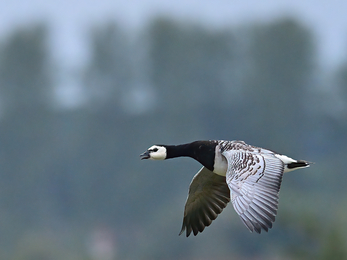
[{"x": 69, "y": 19}]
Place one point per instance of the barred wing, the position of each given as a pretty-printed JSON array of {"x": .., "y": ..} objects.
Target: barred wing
[
  {"x": 208, "y": 196},
  {"x": 254, "y": 180}
]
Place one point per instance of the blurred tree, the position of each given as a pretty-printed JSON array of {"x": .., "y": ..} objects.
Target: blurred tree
[
  {"x": 25, "y": 153},
  {"x": 96, "y": 173},
  {"x": 189, "y": 70},
  {"x": 24, "y": 70},
  {"x": 281, "y": 66},
  {"x": 341, "y": 79},
  {"x": 109, "y": 72}
]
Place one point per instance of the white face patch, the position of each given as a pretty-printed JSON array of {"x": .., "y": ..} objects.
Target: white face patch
[{"x": 157, "y": 152}]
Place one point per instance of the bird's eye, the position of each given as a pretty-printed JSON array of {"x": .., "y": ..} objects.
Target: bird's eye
[{"x": 155, "y": 150}]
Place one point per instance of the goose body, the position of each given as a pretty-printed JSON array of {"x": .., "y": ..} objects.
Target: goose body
[{"x": 249, "y": 176}]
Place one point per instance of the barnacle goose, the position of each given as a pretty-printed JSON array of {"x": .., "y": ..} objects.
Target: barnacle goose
[{"x": 251, "y": 176}]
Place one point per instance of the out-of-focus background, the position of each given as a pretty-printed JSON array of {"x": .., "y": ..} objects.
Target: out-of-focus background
[{"x": 85, "y": 87}]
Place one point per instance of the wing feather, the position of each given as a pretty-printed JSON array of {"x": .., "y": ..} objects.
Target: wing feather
[
  {"x": 255, "y": 180},
  {"x": 208, "y": 196}
]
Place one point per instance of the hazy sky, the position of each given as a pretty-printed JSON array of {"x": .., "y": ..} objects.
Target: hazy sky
[{"x": 69, "y": 19}]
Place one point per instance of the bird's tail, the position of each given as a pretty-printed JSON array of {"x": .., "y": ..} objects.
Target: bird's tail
[{"x": 298, "y": 165}]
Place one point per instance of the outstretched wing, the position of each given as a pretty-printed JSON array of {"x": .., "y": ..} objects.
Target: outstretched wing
[
  {"x": 254, "y": 180},
  {"x": 208, "y": 196}
]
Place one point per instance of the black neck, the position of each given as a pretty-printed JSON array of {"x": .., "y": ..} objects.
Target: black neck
[{"x": 202, "y": 151}]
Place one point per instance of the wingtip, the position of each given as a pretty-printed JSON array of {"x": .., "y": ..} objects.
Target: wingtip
[{"x": 183, "y": 229}]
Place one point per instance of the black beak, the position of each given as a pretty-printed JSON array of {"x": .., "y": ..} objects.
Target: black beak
[{"x": 145, "y": 155}]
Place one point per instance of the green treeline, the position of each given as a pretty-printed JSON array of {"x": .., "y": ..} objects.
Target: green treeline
[{"x": 68, "y": 172}]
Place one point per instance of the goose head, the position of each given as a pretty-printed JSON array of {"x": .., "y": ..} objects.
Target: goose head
[{"x": 155, "y": 152}]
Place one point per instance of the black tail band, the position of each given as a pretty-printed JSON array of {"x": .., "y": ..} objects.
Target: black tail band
[{"x": 297, "y": 164}]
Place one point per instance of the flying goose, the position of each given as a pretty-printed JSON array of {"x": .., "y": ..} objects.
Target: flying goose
[{"x": 251, "y": 176}]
